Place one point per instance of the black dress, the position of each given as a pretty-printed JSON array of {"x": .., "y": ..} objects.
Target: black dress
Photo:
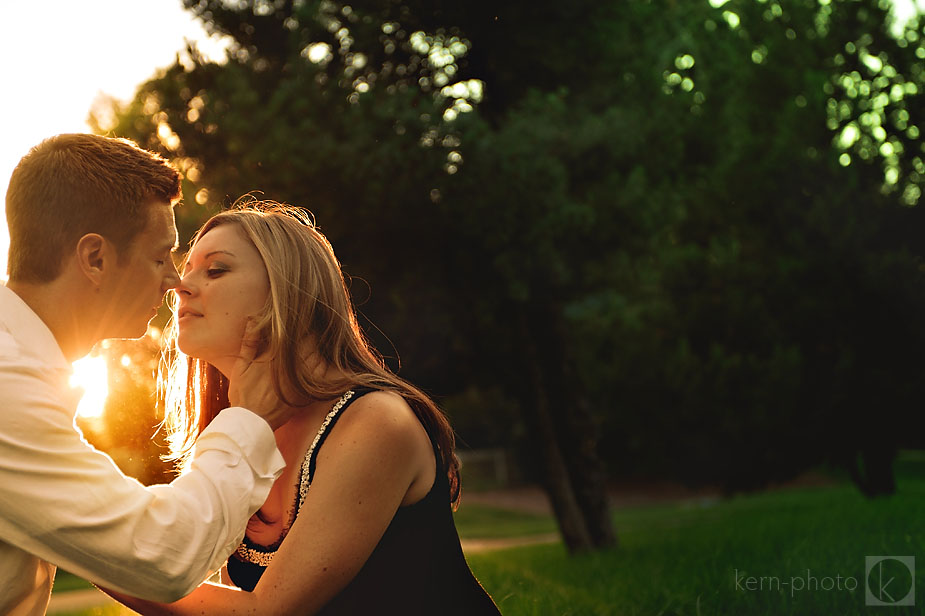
[{"x": 417, "y": 567}]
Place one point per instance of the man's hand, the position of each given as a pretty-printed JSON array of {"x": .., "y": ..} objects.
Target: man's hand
[{"x": 251, "y": 384}]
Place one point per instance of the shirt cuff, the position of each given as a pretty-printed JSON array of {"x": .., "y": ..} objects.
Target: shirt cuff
[{"x": 238, "y": 430}]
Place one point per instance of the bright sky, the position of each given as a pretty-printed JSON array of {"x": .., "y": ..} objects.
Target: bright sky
[{"x": 58, "y": 56}]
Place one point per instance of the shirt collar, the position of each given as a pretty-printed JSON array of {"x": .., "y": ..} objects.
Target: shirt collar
[{"x": 27, "y": 327}]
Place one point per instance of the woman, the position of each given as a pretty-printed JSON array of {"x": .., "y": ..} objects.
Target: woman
[{"x": 361, "y": 519}]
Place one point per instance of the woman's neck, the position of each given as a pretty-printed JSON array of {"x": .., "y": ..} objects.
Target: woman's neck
[{"x": 294, "y": 436}]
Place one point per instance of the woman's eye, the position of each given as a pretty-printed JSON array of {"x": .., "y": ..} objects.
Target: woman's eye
[{"x": 215, "y": 272}]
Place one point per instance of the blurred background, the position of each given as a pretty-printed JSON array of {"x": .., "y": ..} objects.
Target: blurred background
[{"x": 635, "y": 243}]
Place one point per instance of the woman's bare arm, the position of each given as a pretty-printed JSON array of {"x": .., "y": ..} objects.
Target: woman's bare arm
[{"x": 376, "y": 452}]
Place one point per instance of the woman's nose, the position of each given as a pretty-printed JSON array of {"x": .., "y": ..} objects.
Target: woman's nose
[{"x": 184, "y": 285}]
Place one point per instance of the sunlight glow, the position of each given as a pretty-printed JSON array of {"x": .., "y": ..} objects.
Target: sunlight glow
[
  {"x": 318, "y": 53},
  {"x": 62, "y": 58},
  {"x": 91, "y": 374},
  {"x": 732, "y": 19}
]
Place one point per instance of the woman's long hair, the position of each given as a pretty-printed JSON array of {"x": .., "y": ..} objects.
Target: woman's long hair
[{"x": 308, "y": 310}]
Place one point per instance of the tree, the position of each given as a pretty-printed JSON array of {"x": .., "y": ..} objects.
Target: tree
[
  {"x": 633, "y": 221},
  {"x": 350, "y": 134},
  {"x": 776, "y": 326}
]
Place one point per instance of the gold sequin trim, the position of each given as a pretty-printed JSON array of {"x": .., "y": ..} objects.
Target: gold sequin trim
[{"x": 251, "y": 555}]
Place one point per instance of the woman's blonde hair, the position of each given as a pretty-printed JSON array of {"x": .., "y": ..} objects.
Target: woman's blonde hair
[{"x": 308, "y": 310}]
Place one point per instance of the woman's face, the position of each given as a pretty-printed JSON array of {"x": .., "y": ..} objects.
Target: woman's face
[{"x": 224, "y": 282}]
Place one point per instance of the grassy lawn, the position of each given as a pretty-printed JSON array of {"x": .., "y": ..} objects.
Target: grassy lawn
[{"x": 785, "y": 552}]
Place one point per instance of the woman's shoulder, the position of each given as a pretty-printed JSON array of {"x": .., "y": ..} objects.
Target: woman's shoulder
[
  {"x": 381, "y": 416},
  {"x": 379, "y": 435}
]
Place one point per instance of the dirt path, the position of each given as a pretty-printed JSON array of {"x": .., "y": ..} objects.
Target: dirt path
[
  {"x": 475, "y": 546},
  {"x": 532, "y": 499}
]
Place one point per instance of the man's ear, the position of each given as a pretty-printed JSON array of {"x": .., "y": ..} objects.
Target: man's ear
[{"x": 94, "y": 255}]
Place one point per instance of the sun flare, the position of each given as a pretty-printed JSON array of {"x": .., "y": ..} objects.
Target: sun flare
[{"x": 91, "y": 375}]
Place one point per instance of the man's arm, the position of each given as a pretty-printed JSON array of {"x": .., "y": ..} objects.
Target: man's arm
[{"x": 69, "y": 504}]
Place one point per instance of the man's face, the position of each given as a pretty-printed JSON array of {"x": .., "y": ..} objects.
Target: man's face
[{"x": 143, "y": 274}]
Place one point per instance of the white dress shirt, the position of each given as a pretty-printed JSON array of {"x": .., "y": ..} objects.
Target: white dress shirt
[{"x": 64, "y": 503}]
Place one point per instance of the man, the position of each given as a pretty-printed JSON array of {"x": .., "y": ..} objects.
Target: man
[{"x": 91, "y": 235}]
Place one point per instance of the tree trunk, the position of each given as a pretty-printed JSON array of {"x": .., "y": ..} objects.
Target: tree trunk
[
  {"x": 872, "y": 470},
  {"x": 576, "y": 479},
  {"x": 591, "y": 479},
  {"x": 557, "y": 480}
]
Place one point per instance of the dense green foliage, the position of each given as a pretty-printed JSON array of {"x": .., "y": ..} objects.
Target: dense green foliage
[{"x": 674, "y": 233}]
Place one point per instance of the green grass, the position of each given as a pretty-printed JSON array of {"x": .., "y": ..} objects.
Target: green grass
[
  {"x": 684, "y": 559},
  {"x": 65, "y": 581}
]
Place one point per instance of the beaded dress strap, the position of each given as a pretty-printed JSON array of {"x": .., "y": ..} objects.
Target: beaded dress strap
[
  {"x": 308, "y": 462},
  {"x": 260, "y": 555}
]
